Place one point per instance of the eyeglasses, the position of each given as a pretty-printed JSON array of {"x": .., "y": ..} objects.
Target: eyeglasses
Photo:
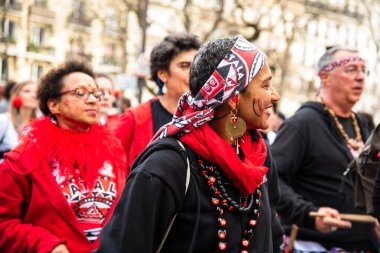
[
  {"x": 354, "y": 71},
  {"x": 84, "y": 94}
]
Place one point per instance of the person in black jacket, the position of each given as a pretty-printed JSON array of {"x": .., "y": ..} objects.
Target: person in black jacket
[
  {"x": 229, "y": 204},
  {"x": 312, "y": 150}
]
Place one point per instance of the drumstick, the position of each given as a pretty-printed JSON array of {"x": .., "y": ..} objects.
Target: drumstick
[
  {"x": 349, "y": 217},
  {"x": 292, "y": 238}
]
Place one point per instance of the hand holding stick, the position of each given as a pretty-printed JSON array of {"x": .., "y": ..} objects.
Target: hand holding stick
[{"x": 349, "y": 217}]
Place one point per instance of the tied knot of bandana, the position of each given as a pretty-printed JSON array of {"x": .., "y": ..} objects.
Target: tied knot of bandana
[{"x": 235, "y": 71}]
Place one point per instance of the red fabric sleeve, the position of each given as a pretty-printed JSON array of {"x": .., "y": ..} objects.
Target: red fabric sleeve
[
  {"x": 14, "y": 235},
  {"x": 124, "y": 132}
]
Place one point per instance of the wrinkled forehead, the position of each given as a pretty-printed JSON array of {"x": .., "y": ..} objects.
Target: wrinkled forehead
[{"x": 78, "y": 78}]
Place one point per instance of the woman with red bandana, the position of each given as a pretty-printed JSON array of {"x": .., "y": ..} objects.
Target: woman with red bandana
[
  {"x": 22, "y": 110},
  {"x": 229, "y": 203},
  {"x": 59, "y": 185}
]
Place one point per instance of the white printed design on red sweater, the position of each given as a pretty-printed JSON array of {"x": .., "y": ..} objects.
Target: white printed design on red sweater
[{"x": 89, "y": 205}]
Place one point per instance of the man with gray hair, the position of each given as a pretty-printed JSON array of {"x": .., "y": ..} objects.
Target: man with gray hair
[{"x": 311, "y": 152}]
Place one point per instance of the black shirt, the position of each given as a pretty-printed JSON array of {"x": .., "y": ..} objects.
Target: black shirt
[
  {"x": 348, "y": 126},
  {"x": 160, "y": 115}
]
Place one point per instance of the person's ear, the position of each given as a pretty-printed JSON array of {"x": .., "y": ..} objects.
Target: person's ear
[
  {"x": 163, "y": 75},
  {"x": 324, "y": 76},
  {"x": 53, "y": 106},
  {"x": 233, "y": 102}
]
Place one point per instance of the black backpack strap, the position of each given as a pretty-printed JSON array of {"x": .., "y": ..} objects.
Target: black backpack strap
[
  {"x": 166, "y": 143},
  {"x": 182, "y": 150},
  {"x": 188, "y": 156}
]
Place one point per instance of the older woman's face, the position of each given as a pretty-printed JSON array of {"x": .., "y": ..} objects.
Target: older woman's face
[
  {"x": 28, "y": 95},
  {"x": 255, "y": 102},
  {"x": 73, "y": 111}
]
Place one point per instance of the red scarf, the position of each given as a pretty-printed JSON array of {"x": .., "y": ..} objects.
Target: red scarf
[
  {"x": 246, "y": 175},
  {"x": 86, "y": 151}
]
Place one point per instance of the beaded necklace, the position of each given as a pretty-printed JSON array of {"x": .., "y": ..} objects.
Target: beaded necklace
[
  {"x": 354, "y": 144},
  {"x": 223, "y": 202}
]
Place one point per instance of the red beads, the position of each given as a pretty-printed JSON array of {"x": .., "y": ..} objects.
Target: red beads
[
  {"x": 222, "y": 246},
  {"x": 215, "y": 201},
  {"x": 245, "y": 243},
  {"x": 211, "y": 181},
  {"x": 223, "y": 201},
  {"x": 222, "y": 222},
  {"x": 222, "y": 234},
  {"x": 252, "y": 223}
]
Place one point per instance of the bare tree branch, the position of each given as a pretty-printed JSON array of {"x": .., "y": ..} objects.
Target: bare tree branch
[
  {"x": 218, "y": 19},
  {"x": 186, "y": 15},
  {"x": 255, "y": 25},
  {"x": 370, "y": 11},
  {"x": 195, "y": 17}
]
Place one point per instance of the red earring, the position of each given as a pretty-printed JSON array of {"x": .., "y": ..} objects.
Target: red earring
[
  {"x": 235, "y": 99},
  {"x": 236, "y": 126}
]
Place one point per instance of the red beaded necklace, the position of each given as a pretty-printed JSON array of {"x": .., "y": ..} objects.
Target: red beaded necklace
[{"x": 223, "y": 202}]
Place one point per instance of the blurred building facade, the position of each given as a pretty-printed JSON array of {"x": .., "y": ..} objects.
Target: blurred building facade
[
  {"x": 303, "y": 31},
  {"x": 296, "y": 46},
  {"x": 294, "y": 34},
  {"x": 38, "y": 34}
]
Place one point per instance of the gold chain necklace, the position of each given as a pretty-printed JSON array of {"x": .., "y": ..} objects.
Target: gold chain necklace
[{"x": 354, "y": 144}]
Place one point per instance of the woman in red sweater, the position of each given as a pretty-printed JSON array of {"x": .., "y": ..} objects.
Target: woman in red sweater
[{"x": 60, "y": 184}]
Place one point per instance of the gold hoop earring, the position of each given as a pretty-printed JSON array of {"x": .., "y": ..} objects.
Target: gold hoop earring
[{"x": 235, "y": 127}]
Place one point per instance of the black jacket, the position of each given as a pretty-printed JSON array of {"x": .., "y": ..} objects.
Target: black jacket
[
  {"x": 311, "y": 156},
  {"x": 155, "y": 191}
]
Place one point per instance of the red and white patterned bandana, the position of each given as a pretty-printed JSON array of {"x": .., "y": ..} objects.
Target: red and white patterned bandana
[{"x": 238, "y": 67}]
